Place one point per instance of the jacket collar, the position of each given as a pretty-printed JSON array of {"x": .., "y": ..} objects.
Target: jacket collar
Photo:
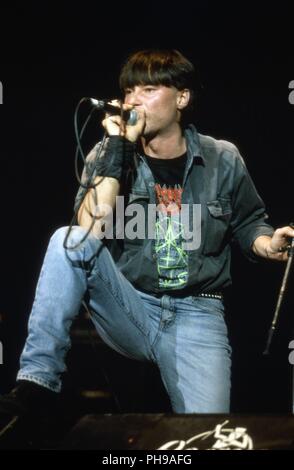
[{"x": 193, "y": 143}]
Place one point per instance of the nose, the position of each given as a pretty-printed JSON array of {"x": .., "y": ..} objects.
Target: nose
[{"x": 133, "y": 97}]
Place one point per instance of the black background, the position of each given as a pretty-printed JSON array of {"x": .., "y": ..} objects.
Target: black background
[{"x": 50, "y": 56}]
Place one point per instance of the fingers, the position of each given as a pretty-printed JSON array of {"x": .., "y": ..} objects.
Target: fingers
[
  {"x": 134, "y": 131},
  {"x": 284, "y": 232},
  {"x": 290, "y": 231},
  {"x": 116, "y": 103},
  {"x": 113, "y": 119},
  {"x": 116, "y": 125},
  {"x": 113, "y": 125}
]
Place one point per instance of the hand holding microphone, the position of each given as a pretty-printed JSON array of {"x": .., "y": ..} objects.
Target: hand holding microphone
[
  {"x": 114, "y": 109},
  {"x": 124, "y": 125},
  {"x": 128, "y": 123}
]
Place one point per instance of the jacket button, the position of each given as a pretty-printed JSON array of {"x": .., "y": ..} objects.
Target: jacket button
[{"x": 151, "y": 184}]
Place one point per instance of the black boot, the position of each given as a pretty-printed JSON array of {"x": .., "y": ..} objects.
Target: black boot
[{"x": 27, "y": 416}]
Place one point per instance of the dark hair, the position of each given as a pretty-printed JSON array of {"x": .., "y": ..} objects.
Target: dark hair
[{"x": 158, "y": 67}]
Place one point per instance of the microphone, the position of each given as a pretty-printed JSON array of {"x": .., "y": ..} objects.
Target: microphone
[{"x": 130, "y": 116}]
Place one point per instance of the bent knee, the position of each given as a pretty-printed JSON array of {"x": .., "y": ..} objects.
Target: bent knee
[{"x": 71, "y": 237}]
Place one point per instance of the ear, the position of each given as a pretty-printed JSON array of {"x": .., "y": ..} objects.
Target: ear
[{"x": 183, "y": 98}]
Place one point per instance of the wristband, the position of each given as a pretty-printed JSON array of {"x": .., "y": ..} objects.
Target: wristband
[{"x": 118, "y": 155}]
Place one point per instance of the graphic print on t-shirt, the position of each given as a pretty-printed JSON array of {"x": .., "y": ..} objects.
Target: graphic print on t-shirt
[{"x": 171, "y": 258}]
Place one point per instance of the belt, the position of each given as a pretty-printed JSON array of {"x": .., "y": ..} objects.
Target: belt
[
  {"x": 215, "y": 295},
  {"x": 179, "y": 294}
]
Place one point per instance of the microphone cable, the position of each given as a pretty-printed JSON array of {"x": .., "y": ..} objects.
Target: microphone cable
[{"x": 89, "y": 185}]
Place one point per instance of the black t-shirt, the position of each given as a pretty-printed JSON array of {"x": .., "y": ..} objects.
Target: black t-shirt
[{"x": 168, "y": 171}]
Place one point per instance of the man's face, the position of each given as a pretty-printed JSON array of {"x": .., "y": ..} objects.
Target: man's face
[{"x": 160, "y": 104}]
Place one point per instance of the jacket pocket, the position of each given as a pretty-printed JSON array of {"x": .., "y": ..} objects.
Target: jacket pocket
[
  {"x": 218, "y": 221},
  {"x": 137, "y": 196},
  {"x": 220, "y": 208}
]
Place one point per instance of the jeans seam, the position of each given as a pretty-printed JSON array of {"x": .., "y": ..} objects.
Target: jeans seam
[
  {"x": 157, "y": 361},
  {"x": 121, "y": 303},
  {"x": 163, "y": 325},
  {"x": 38, "y": 381}
]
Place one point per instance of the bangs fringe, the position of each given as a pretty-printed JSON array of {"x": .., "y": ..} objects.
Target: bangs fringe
[{"x": 168, "y": 68}]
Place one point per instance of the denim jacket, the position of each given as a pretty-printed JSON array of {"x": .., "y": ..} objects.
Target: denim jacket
[{"x": 215, "y": 178}]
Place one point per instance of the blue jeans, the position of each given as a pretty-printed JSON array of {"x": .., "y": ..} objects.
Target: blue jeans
[{"x": 185, "y": 337}]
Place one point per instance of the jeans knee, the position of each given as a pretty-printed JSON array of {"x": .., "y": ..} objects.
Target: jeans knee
[{"x": 71, "y": 238}]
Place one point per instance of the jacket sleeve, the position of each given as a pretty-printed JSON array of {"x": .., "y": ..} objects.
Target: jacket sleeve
[
  {"x": 248, "y": 210},
  {"x": 88, "y": 175}
]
